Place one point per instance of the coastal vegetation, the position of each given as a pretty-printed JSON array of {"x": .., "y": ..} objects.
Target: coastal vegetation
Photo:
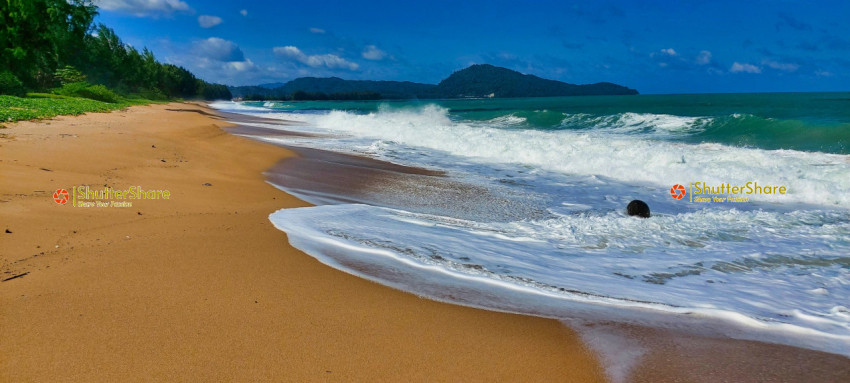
[
  {"x": 44, "y": 105},
  {"x": 54, "y": 48},
  {"x": 475, "y": 81}
]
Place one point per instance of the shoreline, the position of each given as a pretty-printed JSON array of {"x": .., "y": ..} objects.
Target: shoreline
[
  {"x": 201, "y": 286},
  {"x": 664, "y": 353}
]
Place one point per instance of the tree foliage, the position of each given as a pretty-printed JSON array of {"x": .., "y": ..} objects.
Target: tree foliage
[
  {"x": 69, "y": 75},
  {"x": 9, "y": 84},
  {"x": 37, "y": 36},
  {"x": 49, "y": 43}
]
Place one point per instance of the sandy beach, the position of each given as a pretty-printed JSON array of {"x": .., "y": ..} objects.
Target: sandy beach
[
  {"x": 201, "y": 287},
  {"x": 271, "y": 191}
]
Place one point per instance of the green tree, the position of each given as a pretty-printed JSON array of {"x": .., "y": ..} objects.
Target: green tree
[
  {"x": 9, "y": 84},
  {"x": 68, "y": 75},
  {"x": 43, "y": 41},
  {"x": 104, "y": 56},
  {"x": 38, "y": 36}
]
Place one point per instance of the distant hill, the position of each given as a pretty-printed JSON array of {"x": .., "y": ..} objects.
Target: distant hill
[
  {"x": 491, "y": 81},
  {"x": 476, "y": 81},
  {"x": 272, "y": 85}
]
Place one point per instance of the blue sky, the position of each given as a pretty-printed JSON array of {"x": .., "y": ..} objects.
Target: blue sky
[{"x": 653, "y": 46}]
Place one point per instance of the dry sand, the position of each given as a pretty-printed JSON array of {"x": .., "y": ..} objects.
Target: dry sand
[{"x": 201, "y": 287}]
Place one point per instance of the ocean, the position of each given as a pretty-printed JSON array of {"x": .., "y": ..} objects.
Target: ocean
[{"x": 529, "y": 213}]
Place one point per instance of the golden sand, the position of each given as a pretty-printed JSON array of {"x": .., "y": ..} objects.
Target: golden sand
[{"x": 200, "y": 286}]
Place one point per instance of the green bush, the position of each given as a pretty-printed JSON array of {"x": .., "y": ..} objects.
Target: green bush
[
  {"x": 71, "y": 89},
  {"x": 16, "y": 108},
  {"x": 86, "y": 90},
  {"x": 46, "y": 95},
  {"x": 99, "y": 93},
  {"x": 68, "y": 75},
  {"x": 9, "y": 84},
  {"x": 153, "y": 94}
]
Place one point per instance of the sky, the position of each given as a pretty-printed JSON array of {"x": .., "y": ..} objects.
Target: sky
[{"x": 653, "y": 46}]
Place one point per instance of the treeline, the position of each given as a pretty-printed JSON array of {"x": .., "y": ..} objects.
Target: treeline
[
  {"x": 53, "y": 44},
  {"x": 301, "y": 95}
]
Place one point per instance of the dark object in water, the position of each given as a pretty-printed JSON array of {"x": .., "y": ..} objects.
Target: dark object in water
[{"x": 638, "y": 208}]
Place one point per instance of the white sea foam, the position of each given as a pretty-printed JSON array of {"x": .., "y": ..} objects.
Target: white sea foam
[
  {"x": 619, "y": 351},
  {"x": 654, "y": 125},
  {"x": 508, "y": 121},
  {"x": 592, "y": 260},
  {"x": 813, "y": 178},
  {"x": 237, "y": 107},
  {"x": 775, "y": 269}
]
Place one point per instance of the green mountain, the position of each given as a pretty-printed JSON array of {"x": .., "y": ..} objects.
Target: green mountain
[
  {"x": 476, "y": 81},
  {"x": 491, "y": 81}
]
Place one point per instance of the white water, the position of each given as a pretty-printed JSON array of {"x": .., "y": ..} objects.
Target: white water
[{"x": 776, "y": 269}]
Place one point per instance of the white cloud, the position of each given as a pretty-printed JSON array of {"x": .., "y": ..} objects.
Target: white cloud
[
  {"x": 668, "y": 58},
  {"x": 318, "y": 31},
  {"x": 746, "y": 68},
  {"x": 241, "y": 66},
  {"x": 207, "y": 21},
  {"x": 235, "y": 72},
  {"x": 823, "y": 73},
  {"x": 228, "y": 67},
  {"x": 668, "y": 52},
  {"x": 704, "y": 58},
  {"x": 785, "y": 67},
  {"x": 315, "y": 61},
  {"x": 224, "y": 72},
  {"x": 243, "y": 12},
  {"x": 372, "y": 52},
  {"x": 220, "y": 60},
  {"x": 142, "y": 8},
  {"x": 218, "y": 49}
]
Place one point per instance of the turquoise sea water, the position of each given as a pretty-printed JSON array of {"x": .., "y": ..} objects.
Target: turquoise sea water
[
  {"x": 541, "y": 227},
  {"x": 800, "y": 121}
]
